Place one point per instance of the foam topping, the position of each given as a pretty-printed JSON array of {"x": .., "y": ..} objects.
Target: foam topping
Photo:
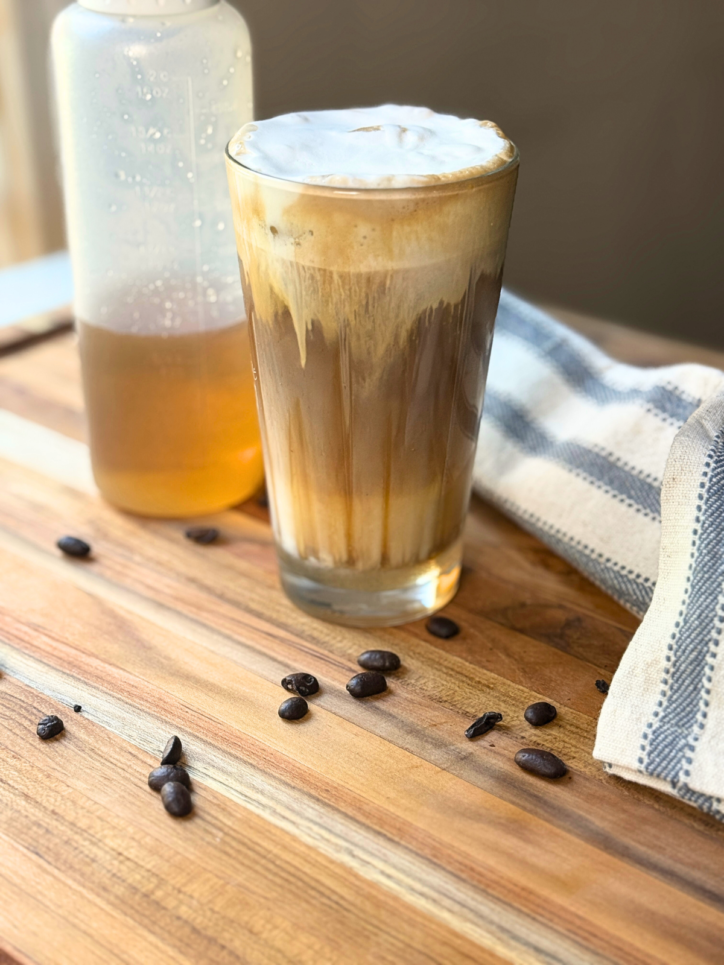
[{"x": 387, "y": 146}]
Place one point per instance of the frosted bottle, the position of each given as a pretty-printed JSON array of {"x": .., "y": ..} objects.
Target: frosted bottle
[{"x": 148, "y": 93}]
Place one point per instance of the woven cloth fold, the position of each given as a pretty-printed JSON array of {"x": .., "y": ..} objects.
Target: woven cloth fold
[{"x": 620, "y": 470}]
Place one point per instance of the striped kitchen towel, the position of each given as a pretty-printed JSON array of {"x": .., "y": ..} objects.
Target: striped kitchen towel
[{"x": 620, "y": 470}]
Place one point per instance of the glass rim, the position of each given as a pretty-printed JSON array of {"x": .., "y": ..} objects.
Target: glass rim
[{"x": 343, "y": 190}]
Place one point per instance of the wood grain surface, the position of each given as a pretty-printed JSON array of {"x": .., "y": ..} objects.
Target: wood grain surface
[{"x": 369, "y": 831}]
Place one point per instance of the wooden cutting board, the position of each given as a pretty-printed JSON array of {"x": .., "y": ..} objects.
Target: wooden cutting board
[{"x": 371, "y": 831}]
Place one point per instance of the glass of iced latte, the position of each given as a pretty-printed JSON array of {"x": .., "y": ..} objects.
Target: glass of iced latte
[{"x": 371, "y": 245}]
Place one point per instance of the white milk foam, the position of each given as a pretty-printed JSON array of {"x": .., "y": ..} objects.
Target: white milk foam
[{"x": 387, "y": 146}]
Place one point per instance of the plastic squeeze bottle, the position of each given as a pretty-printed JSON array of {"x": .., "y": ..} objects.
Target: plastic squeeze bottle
[{"x": 148, "y": 94}]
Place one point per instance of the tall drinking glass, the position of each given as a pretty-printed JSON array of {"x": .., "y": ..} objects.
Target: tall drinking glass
[{"x": 371, "y": 317}]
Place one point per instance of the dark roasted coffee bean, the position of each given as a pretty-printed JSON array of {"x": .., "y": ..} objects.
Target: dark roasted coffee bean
[
  {"x": 172, "y": 751},
  {"x": 542, "y": 763},
  {"x": 72, "y": 546},
  {"x": 442, "y": 627},
  {"x": 383, "y": 660},
  {"x": 176, "y": 799},
  {"x": 168, "y": 772},
  {"x": 602, "y": 686},
  {"x": 367, "y": 684},
  {"x": 77, "y": 708},
  {"x": 483, "y": 724},
  {"x": 540, "y": 713},
  {"x": 294, "y": 708},
  {"x": 49, "y": 727},
  {"x": 202, "y": 534},
  {"x": 303, "y": 684}
]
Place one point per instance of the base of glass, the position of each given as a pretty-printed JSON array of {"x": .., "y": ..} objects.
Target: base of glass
[{"x": 377, "y": 598}]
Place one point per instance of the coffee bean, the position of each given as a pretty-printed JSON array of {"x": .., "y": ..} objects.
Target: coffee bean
[
  {"x": 176, "y": 799},
  {"x": 263, "y": 500},
  {"x": 303, "y": 684},
  {"x": 77, "y": 708},
  {"x": 202, "y": 534},
  {"x": 383, "y": 660},
  {"x": 72, "y": 546},
  {"x": 294, "y": 708},
  {"x": 442, "y": 627},
  {"x": 172, "y": 751},
  {"x": 168, "y": 772},
  {"x": 540, "y": 713},
  {"x": 602, "y": 686},
  {"x": 483, "y": 724},
  {"x": 49, "y": 727},
  {"x": 542, "y": 763},
  {"x": 367, "y": 684}
]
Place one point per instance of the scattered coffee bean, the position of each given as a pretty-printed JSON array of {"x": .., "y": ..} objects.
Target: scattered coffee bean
[
  {"x": 72, "y": 546},
  {"x": 442, "y": 627},
  {"x": 483, "y": 724},
  {"x": 542, "y": 763},
  {"x": 383, "y": 660},
  {"x": 49, "y": 727},
  {"x": 303, "y": 684},
  {"x": 77, "y": 708},
  {"x": 168, "y": 772},
  {"x": 541, "y": 713},
  {"x": 176, "y": 799},
  {"x": 602, "y": 686},
  {"x": 294, "y": 708},
  {"x": 367, "y": 684},
  {"x": 172, "y": 751},
  {"x": 202, "y": 534}
]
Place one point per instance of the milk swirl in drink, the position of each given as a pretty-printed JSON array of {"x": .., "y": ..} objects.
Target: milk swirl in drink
[{"x": 371, "y": 245}]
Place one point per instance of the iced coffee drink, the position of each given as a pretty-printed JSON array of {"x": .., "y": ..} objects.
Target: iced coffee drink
[{"x": 371, "y": 245}]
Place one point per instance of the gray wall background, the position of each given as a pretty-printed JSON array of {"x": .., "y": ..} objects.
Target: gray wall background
[{"x": 616, "y": 108}]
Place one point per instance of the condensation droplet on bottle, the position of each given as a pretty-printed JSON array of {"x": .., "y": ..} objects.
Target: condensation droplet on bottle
[
  {"x": 204, "y": 268},
  {"x": 147, "y": 97},
  {"x": 96, "y": 75},
  {"x": 200, "y": 94},
  {"x": 121, "y": 175},
  {"x": 239, "y": 53},
  {"x": 211, "y": 295},
  {"x": 126, "y": 117},
  {"x": 248, "y": 58},
  {"x": 190, "y": 175},
  {"x": 196, "y": 222},
  {"x": 128, "y": 19},
  {"x": 202, "y": 141},
  {"x": 224, "y": 82},
  {"x": 112, "y": 208},
  {"x": 180, "y": 164},
  {"x": 220, "y": 226},
  {"x": 231, "y": 70},
  {"x": 210, "y": 129},
  {"x": 139, "y": 76}
]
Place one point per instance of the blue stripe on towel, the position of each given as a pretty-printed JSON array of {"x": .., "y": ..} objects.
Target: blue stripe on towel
[
  {"x": 601, "y": 470},
  {"x": 672, "y": 733},
  {"x": 631, "y": 589},
  {"x": 544, "y": 334}
]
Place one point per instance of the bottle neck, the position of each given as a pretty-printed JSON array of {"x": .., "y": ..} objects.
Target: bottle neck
[{"x": 147, "y": 8}]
